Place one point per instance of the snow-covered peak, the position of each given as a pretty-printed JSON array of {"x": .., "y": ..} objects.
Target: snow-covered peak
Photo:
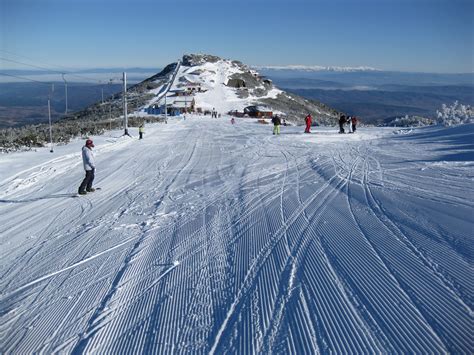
[
  {"x": 213, "y": 83},
  {"x": 206, "y": 83}
]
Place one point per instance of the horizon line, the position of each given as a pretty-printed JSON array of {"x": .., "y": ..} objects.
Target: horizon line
[{"x": 293, "y": 67}]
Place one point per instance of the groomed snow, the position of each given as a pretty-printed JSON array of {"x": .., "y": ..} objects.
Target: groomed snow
[{"x": 208, "y": 237}]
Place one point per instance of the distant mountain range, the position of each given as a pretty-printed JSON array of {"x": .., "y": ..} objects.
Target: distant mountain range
[
  {"x": 316, "y": 68},
  {"x": 377, "y": 96}
]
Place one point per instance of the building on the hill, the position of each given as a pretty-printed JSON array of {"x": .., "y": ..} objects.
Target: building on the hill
[
  {"x": 184, "y": 105},
  {"x": 174, "y": 108},
  {"x": 193, "y": 89},
  {"x": 177, "y": 92},
  {"x": 235, "y": 113},
  {"x": 258, "y": 111}
]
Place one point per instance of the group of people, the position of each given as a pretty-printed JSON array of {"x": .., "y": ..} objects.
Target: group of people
[
  {"x": 351, "y": 121},
  {"x": 88, "y": 155},
  {"x": 276, "y": 120}
]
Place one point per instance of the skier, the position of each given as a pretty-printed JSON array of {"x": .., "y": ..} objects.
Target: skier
[
  {"x": 354, "y": 123},
  {"x": 141, "y": 130},
  {"x": 342, "y": 122},
  {"x": 349, "y": 123},
  {"x": 89, "y": 167},
  {"x": 232, "y": 120},
  {"x": 276, "y": 124},
  {"x": 308, "y": 120}
]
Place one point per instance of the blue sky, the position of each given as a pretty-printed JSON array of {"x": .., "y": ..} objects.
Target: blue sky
[{"x": 404, "y": 35}]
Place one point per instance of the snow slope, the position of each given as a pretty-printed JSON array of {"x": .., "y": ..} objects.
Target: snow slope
[{"x": 215, "y": 238}]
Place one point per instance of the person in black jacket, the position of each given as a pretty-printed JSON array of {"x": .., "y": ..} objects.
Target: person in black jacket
[
  {"x": 276, "y": 124},
  {"x": 342, "y": 122}
]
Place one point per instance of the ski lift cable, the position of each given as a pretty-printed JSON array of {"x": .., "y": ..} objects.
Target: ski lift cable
[
  {"x": 100, "y": 82},
  {"x": 28, "y": 79},
  {"x": 33, "y": 60},
  {"x": 30, "y": 65},
  {"x": 67, "y": 71},
  {"x": 52, "y": 70}
]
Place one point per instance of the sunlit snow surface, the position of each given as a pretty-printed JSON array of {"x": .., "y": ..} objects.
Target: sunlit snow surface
[{"x": 208, "y": 237}]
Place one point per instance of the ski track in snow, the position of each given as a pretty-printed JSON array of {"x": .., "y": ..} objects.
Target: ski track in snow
[{"x": 208, "y": 237}]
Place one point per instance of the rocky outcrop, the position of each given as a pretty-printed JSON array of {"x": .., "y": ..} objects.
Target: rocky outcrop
[
  {"x": 191, "y": 60},
  {"x": 236, "y": 83}
]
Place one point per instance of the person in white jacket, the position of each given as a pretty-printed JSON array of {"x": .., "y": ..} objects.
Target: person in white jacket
[
  {"x": 89, "y": 167},
  {"x": 349, "y": 122}
]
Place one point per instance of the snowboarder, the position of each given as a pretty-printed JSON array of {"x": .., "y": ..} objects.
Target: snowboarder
[
  {"x": 354, "y": 123},
  {"x": 232, "y": 120},
  {"x": 141, "y": 130},
  {"x": 308, "y": 120},
  {"x": 89, "y": 167},
  {"x": 276, "y": 124}
]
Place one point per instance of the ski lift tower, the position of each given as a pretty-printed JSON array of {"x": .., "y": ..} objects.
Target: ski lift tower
[
  {"x": 49, "y": 116},
  {"x": 125, "y": 118},
  {"x": 65, "y": 89},
  {"x": 166, "y": 107}
]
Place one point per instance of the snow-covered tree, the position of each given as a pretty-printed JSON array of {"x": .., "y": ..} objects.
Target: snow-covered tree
[
  {"x": 455, "y": 114},
  {"x": 410, "y": 121}
]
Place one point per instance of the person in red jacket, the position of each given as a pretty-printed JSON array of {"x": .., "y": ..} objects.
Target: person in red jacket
[
  {"x": 354, "y": 123},
  {"x": 308, "y": 120}
]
